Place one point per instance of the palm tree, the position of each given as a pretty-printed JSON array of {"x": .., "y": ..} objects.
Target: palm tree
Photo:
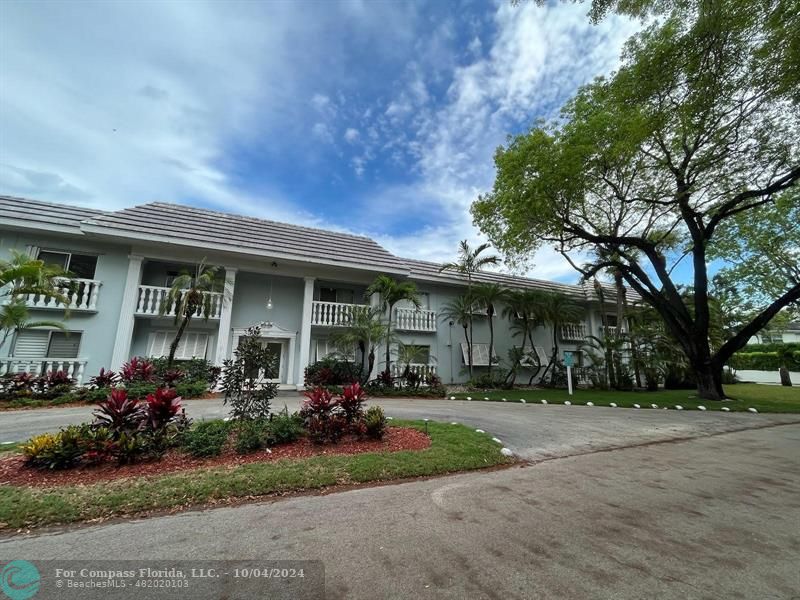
[
  {"x": 365, "y": 331},
  {"x": 390, "y": 291},
  {"x": 23, "y": 275},
  {"x": 459, "y": 310},
  {"x": 523, "y": 309},
  {"x": 557, "y": 310},
  {"x": 189, "y": 296},
  {"x": 488, "y": 296},
  {"x": 408, "y": 354},
  {"x": 470, "y": 262}
]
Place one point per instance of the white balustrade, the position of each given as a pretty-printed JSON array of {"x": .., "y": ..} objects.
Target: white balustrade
[
  {"x": 81, "y": 294},
  {"x": 334, "y": 314},
  {"x": 151, "y": 298},
  {"x": 412, "y": 319},
  {"x": 420, "y": 369},
  {"x": 73, "y": 367},
  {"x": 573, "y": 332}
]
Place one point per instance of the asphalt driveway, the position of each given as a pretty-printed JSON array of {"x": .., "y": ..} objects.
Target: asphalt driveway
[
  {"x": 705, "y": 518},
  {"x": 533, "y": 432}
]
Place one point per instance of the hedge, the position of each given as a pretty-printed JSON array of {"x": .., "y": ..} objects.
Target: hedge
[{"x": 765, "y": 361}]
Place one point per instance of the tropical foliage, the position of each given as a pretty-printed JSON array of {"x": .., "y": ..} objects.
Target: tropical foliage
[{"x": 390, "y": 292}]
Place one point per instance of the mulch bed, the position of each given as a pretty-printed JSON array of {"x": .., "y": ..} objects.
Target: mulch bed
[{"x": 13, "y": 470}]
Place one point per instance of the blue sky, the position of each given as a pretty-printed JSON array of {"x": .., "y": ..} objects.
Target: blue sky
[{"x": 378, "y": 118}]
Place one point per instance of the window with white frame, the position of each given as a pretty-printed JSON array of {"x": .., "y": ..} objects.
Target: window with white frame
[
  {"x": 771, "y": 337},
  {"x": 193, "y": 344},
  {"x": 42, "y": 343},
  {"x": 324, "y": 348},
  {"x": 80, "y": 266},
  {"x": 480, "y": 354}
]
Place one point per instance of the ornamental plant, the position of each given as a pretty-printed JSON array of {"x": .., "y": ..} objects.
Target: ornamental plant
[
  {"x": 246, "y": 382},
  {"x": 121, "y": 414},
  {"x": 163, "y": 408},
  {"x": 138, "y": 370},
  {"x": 352, "y": 401},
  {"x": 104, "y": 379}
]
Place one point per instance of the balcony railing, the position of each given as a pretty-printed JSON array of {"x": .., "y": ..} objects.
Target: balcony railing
[
  {"x": 81, "y": 293},
  {"x": 420, "y": 369},
  {"x": 411, "y": 319},
  {"x": 73, "y": 367},
  {"x": 152, "y": 297},
  {"x": 334, "y": 314},
  {"x": 573, "y": 332}
]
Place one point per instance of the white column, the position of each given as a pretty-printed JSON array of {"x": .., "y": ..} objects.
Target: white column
[
  {"x": 375, "y": 303},
  {"x": 224, "y": 332},
  {"x": 122, "y": 343},
  {"x": 305, "y": 330}
]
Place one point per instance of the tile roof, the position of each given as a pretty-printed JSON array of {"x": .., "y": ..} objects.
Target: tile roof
[
  {"x": 35, "y": 211},
  {"x": 171, "y": 222},
  {"x": 206, "y": 226}
]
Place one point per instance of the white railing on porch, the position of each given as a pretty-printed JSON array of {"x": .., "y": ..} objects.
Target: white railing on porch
[
  {"x": 334, "y": 314},
  {"x": 420, "y": 369},
  {"x": 82, "y": 295},
  {"x": 73, "y": 367},
  {"x": 411, "y": 319},
  {"x": 573, "y": 332},
  {"x": 151, "y": 298}
]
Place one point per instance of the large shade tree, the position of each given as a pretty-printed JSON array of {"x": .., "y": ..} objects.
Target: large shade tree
[{"x": 646, "y": 170}]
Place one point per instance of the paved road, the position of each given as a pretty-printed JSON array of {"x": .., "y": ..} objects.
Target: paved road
[
  {"x": 711, "y": 517},
  {"x": 533, "y": 432}
]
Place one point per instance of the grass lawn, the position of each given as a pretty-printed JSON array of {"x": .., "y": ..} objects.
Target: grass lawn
[
  {"x": 453, "y": 448},
  {"x": 764, "y": 398}
]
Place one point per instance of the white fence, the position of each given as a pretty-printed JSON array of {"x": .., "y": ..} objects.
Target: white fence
[
  {"x": 82, "y": 295},
  {"x": 334, "y": 314},
  {"x": 73, "y": 367},
  {"x": 151, "y": 298},
  {"x": 411, "y": 319}
]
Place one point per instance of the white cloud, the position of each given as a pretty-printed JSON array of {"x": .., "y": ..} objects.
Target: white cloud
[
  {"x": 351, "y": 135},
  {"x": 537, "y": 59}
]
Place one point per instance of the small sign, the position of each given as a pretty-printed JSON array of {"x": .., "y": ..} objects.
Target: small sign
[{"x": 569, "y": 360}]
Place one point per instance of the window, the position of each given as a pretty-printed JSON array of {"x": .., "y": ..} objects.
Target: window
[
  {"x": 64, "y": 344},
  {"x": 39, "y": 343},
  {"x": 772, "y": 337},
  {"x": 324, "y": 348},
  {"x": 340, "y": 295},
  {"x": 170, "y": 278},
  {"x": 192, "y": 345},
  {"x": 424, "y": 302},
  {"x": 80, "y": 266},
  {"x": 420, "y": 355},
  {"x": 480, "y": 354}
]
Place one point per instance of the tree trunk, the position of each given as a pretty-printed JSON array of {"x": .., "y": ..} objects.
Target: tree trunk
[
  {"x": 709, "y": 382},
  {"x": 173, "y": 347},
  {"x": 786, "y": 380},
  {"x": 371, "y": 363},
  {"x": 469, "y": 347}
]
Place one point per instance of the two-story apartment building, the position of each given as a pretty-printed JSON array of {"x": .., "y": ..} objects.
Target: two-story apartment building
[{"x": 298, "y": 283}]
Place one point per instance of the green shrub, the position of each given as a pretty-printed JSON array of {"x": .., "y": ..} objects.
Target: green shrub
[
  {"x": 207, "y": 438},
  {"x": 60, "y": 451},
  {"x": 285, "y": 428},
  {"x": 191, "y": 389},
  {"x": 766, "y": 361},
  {"x": 251, "y": 435},
  {"x": 195, "y": 369},
  {"x": 139, "y": 391},
  {"x": 375, "y": 422},
  {"x": 331, "y": 371}
]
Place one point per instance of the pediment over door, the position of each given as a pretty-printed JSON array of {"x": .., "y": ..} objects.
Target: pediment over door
[{"x": 268, "y": 329}]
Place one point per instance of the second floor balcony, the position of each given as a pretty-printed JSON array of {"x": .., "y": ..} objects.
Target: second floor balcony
[
  {"x": 573, "y": 332},
  {"x": 340, "y": 314},
  {"x": 81, "y": 294},
  {"x": 154, "y": 301}
]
